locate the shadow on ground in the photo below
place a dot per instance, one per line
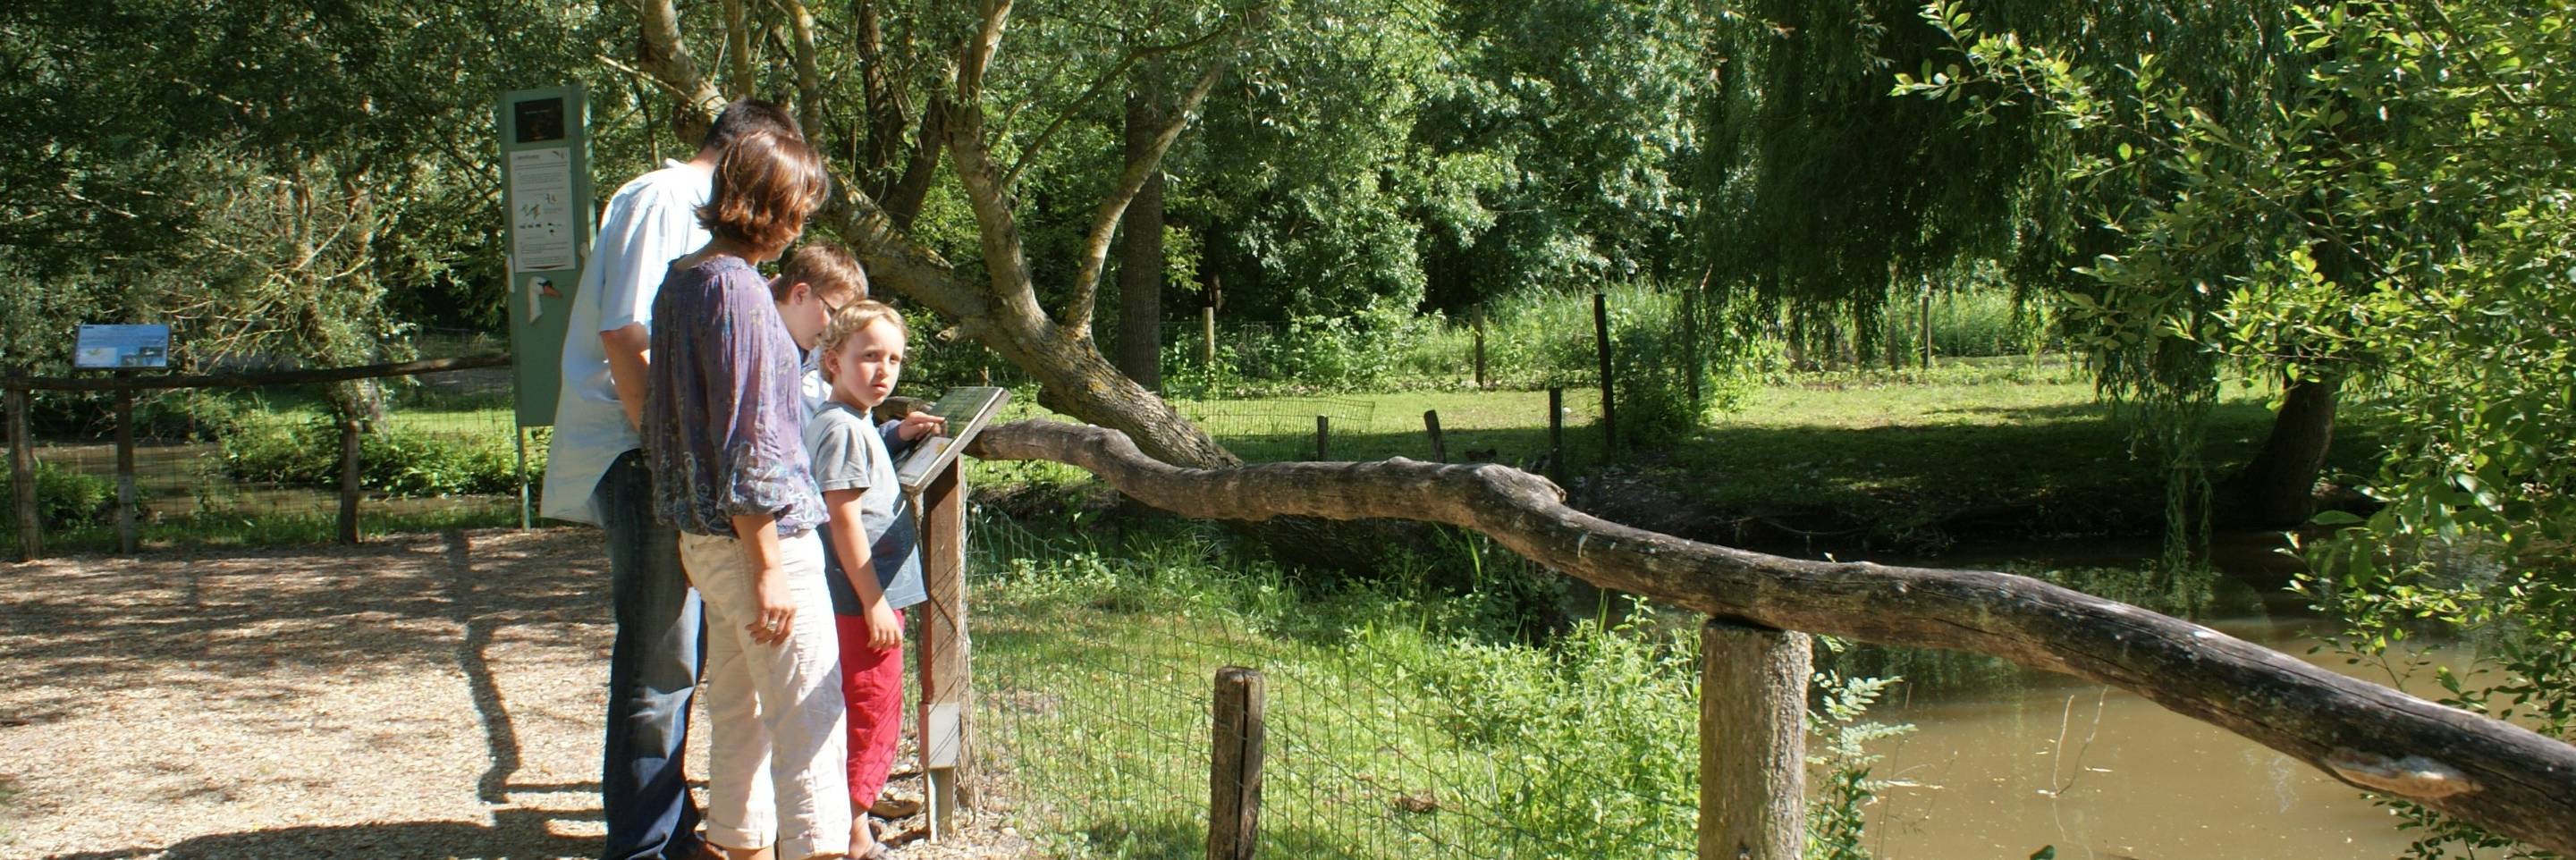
(521, 835)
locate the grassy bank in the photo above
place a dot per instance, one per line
(1402, 720)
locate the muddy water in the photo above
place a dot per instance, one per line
(2099, 773)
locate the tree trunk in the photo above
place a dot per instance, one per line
(1140, 242)
(2278, 488)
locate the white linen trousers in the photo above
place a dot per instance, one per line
(775, 769)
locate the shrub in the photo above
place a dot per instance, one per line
(65, 498)
(305, 451)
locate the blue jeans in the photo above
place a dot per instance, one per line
(652, 674)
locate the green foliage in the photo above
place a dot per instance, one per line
(65, 498)
(299, 449)
(1837, 716)
(1599, 694)
(1425, 686)
(2379, 220)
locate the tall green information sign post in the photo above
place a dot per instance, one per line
(546, 192)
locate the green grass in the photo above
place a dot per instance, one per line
(1392, 731)
(295, 527)
(1973, 449)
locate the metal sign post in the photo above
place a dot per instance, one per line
(546, 190)
(547, 197)
(121, 349)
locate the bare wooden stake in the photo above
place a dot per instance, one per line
(1234, 772)
(126, 539)
(22, 478)
(1207, 337)
(349, 479)
(1431, 425)
(1323, 438)
(1556, 435)
(1601, 338)
(1752, 742)
(1480, 347)
(1925, 320)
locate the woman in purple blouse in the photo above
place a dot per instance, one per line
(723, 428)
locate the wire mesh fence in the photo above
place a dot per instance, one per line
(1093, 720)
(1280, 416)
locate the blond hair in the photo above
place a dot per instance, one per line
(853, 318)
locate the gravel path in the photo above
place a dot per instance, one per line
(422, 696)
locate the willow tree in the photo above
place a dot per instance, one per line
(2414, 200)
(1828, 191)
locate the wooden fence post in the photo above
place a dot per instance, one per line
(349, 479)
(1234, 772)
(1207, 337)
(944, 659)
(1323, 438)
(1480, 347)
(1690, 342)
(1601, 337)
(1752, 742)
(527, 505)
(1926, 322)
(126, 539)
(22, 478)
(1556, 435)
(1431, 424)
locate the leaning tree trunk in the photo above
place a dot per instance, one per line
(2278, 488)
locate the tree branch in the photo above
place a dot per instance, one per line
(737, 51)
(979, 54)
(1098, 86)
(1104, 223)
(2499, 775)
(665, 56)
(1005, 264)
(809, 78)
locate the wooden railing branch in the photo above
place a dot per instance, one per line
(2507, 778)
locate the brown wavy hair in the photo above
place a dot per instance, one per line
(766, 185)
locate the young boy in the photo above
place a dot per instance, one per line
(818, 279)
(826, 272)
(871, 539)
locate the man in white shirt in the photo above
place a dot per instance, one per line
(595, 473)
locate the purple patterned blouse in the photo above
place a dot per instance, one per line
(724, 421)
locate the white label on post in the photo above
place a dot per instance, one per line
(941, 737)
(541, 228)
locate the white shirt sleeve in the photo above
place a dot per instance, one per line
(636, 245)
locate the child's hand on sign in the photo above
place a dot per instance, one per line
(920, 425)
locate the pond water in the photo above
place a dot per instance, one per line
(2099, 773)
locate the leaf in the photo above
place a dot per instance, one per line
(2045, 852)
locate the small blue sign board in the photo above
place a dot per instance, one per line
(121, 347)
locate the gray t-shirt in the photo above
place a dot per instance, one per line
(848, 454)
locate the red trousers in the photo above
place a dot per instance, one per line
(872, 685)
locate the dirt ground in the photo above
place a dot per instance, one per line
(421, 696)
